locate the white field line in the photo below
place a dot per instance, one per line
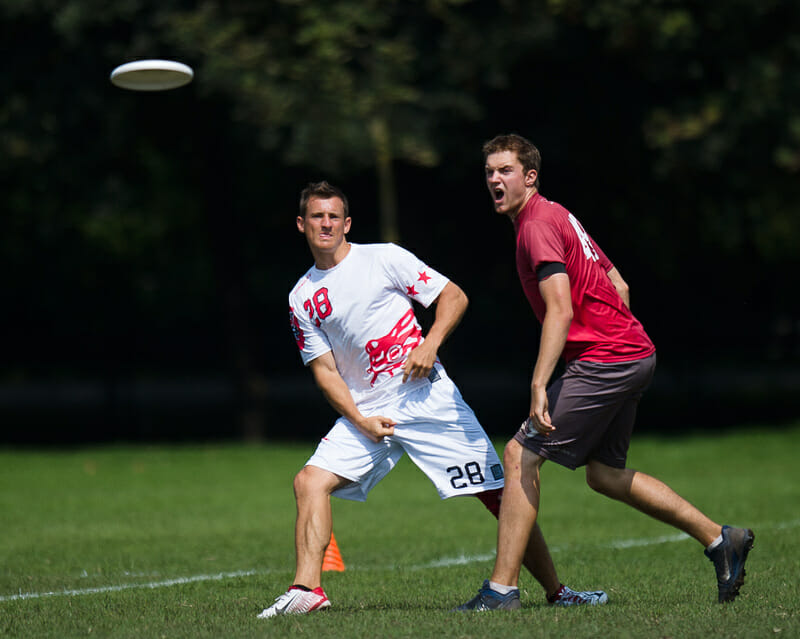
(635, 543)
(153, 584)
(446, 562)
(621, 544)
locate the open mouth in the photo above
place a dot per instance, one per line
(498, 194)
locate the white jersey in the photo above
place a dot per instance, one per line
(361, 310)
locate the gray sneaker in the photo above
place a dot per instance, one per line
(728, 559)
(488, 599)
(566, 596)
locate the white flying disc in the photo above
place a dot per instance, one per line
(152, 75)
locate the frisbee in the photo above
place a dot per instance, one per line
(152, 75)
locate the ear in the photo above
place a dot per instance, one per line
(301, 224)
(530, 178)
(346, 225)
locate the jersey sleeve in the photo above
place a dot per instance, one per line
(311, 340)
(411, 276)
(543, 243)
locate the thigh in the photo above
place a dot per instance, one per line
(612, 449)
(346, 452)
(579, 417)
(592, 407)
(443, 437)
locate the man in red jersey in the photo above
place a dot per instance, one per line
(585, 418)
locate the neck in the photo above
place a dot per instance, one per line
(324, 260)
(531, 192)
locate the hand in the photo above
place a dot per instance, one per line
(539, 419)
(420, 362)
(376, 427)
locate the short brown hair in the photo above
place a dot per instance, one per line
(527, 154)
(324, 191)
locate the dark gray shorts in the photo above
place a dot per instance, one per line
(593, 408)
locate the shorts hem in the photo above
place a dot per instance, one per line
(316, 464)
(529, 444)
(351, 492)
(476, 490)
(613, 464)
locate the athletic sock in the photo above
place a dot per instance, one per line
(503, 590)
(714, 543)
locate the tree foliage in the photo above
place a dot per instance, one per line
(723, 79)
(144, 231)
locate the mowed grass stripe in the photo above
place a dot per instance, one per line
(445, 562)
(91, 519)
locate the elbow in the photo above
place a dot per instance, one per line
(457, 296)
(564, 313)
(318, 381)
(464, 300)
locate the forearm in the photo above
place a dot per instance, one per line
(555, 328)
(336, 391)
(450, 308)
(556, 294)
(621, 285)
(337, 394)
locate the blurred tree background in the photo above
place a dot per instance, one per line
(147, 240)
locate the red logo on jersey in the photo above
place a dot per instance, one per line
(299, 336)
(388, 353)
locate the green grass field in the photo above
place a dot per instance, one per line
(193, 541)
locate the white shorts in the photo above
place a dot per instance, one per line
(435, 427)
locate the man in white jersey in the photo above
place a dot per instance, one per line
(353, 320)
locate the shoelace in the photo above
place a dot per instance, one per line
(571, 596)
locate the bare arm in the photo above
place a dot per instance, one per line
(450, 307)
(555, 291)
(335, 390)
(621, 286)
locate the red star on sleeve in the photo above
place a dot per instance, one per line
(411, 291)
(424, 277)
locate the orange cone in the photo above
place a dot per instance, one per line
(333, 558)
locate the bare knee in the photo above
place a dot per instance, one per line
(303, 483)
(519, 461)
(313, 482)
(309, 481)
(511, 452)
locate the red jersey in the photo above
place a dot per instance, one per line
(603, 329)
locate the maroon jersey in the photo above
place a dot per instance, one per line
(603, 329)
